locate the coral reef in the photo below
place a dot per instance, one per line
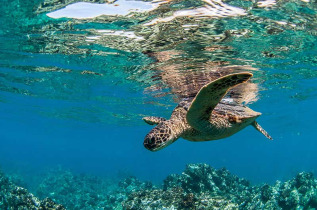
(74, 191)
(87, 191)
(297, 193)
(15, 197)
(199, 187)
(203, 187)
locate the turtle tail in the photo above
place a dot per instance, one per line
(260, 129)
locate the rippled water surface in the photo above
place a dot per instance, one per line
(76, 78)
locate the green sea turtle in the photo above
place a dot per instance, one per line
(207, 116)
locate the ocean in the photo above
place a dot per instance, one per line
(76, 79)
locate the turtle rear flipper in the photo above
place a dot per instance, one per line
(260, 129)
(209, 96)
(153, 120)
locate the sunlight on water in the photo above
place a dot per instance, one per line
(198, 37)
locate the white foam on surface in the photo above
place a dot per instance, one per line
(82, 10)
(266, 3)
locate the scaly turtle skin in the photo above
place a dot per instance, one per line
(207, 116)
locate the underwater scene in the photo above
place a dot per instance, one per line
(158, 104)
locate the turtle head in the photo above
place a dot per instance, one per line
(161, 136)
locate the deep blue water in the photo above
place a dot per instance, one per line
(92, 124)
(31, 143)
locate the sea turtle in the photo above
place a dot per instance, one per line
(207, 116)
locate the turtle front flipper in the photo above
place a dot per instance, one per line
(153, 120)
(209, 96)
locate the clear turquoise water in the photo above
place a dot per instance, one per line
(92, 124)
